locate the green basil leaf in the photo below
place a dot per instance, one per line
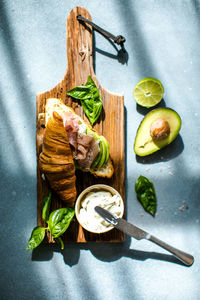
(145, 191)
(90, 81)
(97, 102)
(36, 238)
(46, 202)
(90, 99)
(79, 92)
(59, 221)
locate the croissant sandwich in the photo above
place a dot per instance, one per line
(90, 151)
(56, 160)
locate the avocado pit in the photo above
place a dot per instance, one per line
(159, 129)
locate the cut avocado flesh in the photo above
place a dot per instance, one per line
(104, 152)
(107, 149)
(98, 157)
(144, 143)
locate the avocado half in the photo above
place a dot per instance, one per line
(144, 143)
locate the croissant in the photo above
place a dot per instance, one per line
(56, 160)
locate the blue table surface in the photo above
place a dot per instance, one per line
(162, 41)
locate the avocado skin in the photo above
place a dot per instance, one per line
(144, 145)
(108, 151)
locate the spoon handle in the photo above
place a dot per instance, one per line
(186, 258)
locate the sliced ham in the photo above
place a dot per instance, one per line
(71, 125)
(95, 149)
(72, 136)
(81, 152)
(70, 122)
(84, 139)
(84, 147)
(91, 155)
(70, 119)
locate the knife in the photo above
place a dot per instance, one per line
(140, 234)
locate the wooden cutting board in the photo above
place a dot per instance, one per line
(111, 125)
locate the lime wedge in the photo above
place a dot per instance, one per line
(148, 92)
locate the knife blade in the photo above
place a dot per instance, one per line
(121, 224)
(139, 234)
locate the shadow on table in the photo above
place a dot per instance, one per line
(121, 56)
(106, 252)
(144, 110)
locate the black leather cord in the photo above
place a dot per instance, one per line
(119, 39)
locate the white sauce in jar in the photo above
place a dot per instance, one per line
(89, 218)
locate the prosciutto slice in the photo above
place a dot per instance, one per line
(81, 152)
(71, 125)
(85, 139)
(93, 150)
(84, 147)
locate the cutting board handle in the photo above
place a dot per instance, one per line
(79, 47)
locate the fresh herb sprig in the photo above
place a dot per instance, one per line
(90, 99)
(145, 191)
(58, 222)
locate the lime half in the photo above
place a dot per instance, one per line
(148, 92)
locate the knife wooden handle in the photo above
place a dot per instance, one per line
(186, 258)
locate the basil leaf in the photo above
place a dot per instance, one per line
(46, 202)
(90, 81)
(59, 221)
(145, 191)
(36, 238)
(79, 92)
(90, 99)
(97, 102)
(60, 242)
